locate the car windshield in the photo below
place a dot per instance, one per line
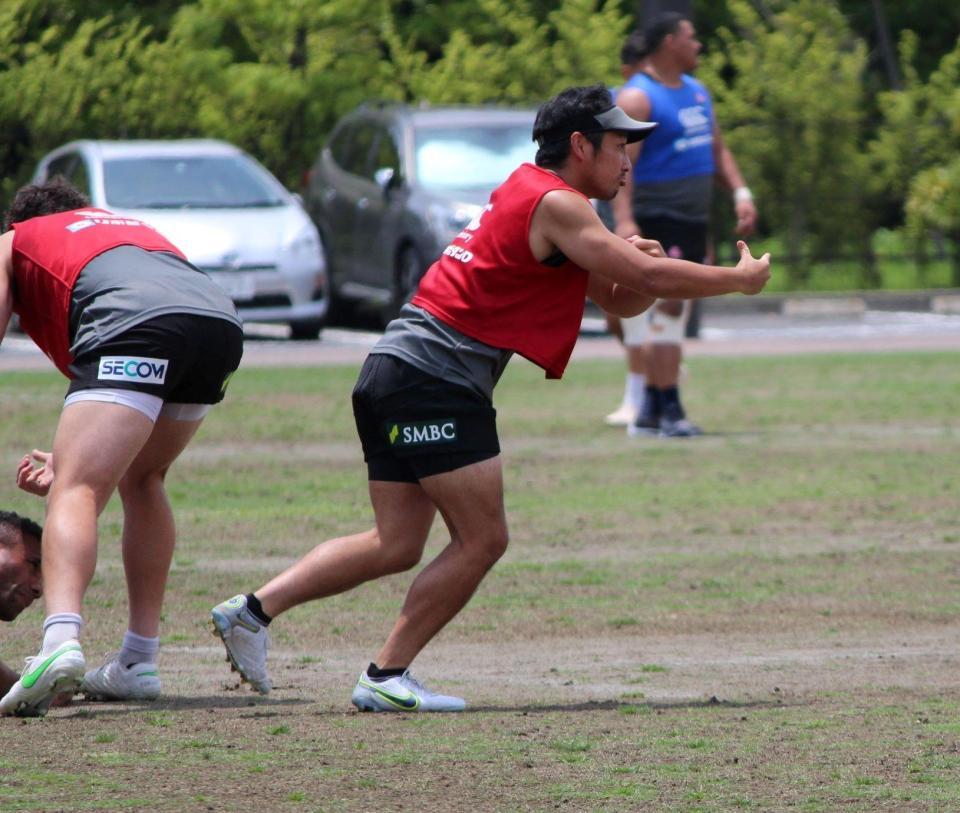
(187, 182)
(480, 157)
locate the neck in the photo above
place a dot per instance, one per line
(570, 176)
(664, 71)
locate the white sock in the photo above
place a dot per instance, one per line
(58, 629)
(137, 649)
(636, 387)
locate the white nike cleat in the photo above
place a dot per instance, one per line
(246, 640)
(624, 415)
(114, 681)
(403, 693)
(43, 678)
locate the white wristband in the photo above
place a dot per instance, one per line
(741, 194)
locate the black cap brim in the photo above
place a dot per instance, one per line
(616, 119)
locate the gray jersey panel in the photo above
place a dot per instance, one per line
(431, 345)
(681, 199)
(126, 286)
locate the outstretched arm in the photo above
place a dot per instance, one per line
(566, 221)
(618, 300)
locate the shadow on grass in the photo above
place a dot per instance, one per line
(614, 705)
(82, 708)
(269, 707)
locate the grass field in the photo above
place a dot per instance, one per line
(766, 618)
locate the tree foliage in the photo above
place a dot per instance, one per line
(788, 93)
(915, 151)
(791, 80)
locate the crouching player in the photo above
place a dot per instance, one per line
(148, 343)
(513, 281)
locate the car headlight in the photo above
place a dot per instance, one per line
(305, 243)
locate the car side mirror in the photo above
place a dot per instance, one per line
(386, 178)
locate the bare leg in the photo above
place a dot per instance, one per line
(471, 501)
(94, 444)
(636, 359)
(149, 532)
(664, 367)
(403, 514)
(613, 325)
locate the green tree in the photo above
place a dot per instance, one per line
(789, 97)
(914, 152)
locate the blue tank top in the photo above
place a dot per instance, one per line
(682, 145)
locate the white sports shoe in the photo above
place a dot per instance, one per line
(246, 640)
(625, 415)
(43, 678)
(114, 681)
(403, 693)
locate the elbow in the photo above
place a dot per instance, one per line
(658, 284)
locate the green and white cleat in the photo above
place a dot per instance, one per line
(402, 693)
(43, 678)
(246, 640)
(114, 681)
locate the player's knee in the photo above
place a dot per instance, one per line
(402, 558)
(398, 555)
(136, 483)
(495, 545)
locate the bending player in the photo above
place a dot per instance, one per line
(148, 343)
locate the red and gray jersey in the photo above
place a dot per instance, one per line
(49, 254)
(488, 285)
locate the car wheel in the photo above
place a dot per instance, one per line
(406, 277)
(305, 331)
(340, 310)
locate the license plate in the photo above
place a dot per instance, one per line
(237, 284)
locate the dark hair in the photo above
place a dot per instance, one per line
(56, 195)
(27, 527)
(556, 121)
(634, 48)
(660, 27)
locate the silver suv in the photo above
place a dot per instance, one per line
(222, 209)
(393, 185)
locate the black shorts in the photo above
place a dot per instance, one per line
(179, 357)
(680, 239)
(413, 425)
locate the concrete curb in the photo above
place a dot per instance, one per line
(936, 300)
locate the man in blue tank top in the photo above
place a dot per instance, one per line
(668, 196)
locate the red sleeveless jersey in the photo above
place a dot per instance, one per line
(49, 253)
(488, 285)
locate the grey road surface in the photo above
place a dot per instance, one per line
(722, 334)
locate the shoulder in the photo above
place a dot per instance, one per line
(566, 206)
(634, 101)
(641, 81)
(696, 85)
(6, 243)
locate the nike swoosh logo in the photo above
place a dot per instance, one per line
(29, 679)
(408, 702)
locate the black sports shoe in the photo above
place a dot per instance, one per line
(674, 423)
(681, 428)
(648, 418)
(645, 424)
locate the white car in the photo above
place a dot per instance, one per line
(222, 209)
